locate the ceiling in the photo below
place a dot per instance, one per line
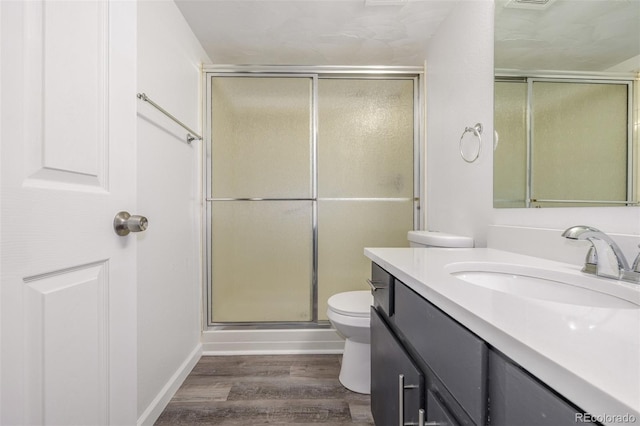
(579, 35)
(576, 35)
(315, 32)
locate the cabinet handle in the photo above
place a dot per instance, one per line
(401, 389)
(375, 285)
(421, 421)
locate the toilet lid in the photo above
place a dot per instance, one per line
(351, 303)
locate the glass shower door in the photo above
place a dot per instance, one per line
(510, 155)
(576, 123)
(366, 188)
(262, 199)
(305, 171)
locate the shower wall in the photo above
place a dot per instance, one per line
(305, 172)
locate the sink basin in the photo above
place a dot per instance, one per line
(554, 286)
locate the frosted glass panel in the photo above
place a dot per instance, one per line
(345, 228)
(261, 137)
(365, 138)
(578, 124)
(510, 156)
(261, 261)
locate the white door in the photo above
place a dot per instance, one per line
(68, 289)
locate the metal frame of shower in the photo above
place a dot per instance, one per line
(627, 79)
(315, 73)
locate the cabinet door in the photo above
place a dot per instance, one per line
(518, 399)
(396, 383)
(456, 356)
(437, 413)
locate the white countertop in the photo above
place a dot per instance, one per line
(590, 355)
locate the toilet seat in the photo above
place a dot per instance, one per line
(339, 320)
(352, 303)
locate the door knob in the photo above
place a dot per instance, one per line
(124, 223)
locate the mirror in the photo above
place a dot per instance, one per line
(566, 103)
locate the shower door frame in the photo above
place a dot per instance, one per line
(314, 73)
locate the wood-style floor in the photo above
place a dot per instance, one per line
(283, 390)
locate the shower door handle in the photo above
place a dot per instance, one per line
(124, 223)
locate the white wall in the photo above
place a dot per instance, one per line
(460, 94)
(169, 254)
(622, 220)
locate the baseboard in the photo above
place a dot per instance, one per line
(265, 342)
(159, 403)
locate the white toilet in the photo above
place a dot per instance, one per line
(349, 313)
(438, 239)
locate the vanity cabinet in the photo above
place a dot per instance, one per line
(397, 384)
(519, 399)
(425, 364)
(455, 357)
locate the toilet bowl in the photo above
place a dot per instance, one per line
(349, 313)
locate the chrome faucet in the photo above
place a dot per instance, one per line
(604, 258)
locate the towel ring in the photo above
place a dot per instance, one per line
(477, 131)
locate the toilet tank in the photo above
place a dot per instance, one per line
(437, 239)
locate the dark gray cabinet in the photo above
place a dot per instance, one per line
(396, 382)
(519, 399)
(382, 285)
(423, 361)
(437, 414)
(457, 357)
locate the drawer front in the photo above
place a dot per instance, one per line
(456, 356)
(518, 399)
(388, 361)
(437, 414)
(382, 289)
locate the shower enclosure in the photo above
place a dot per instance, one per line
(563, 142)
(304, 170)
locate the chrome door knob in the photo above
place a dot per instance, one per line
(124, 223)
